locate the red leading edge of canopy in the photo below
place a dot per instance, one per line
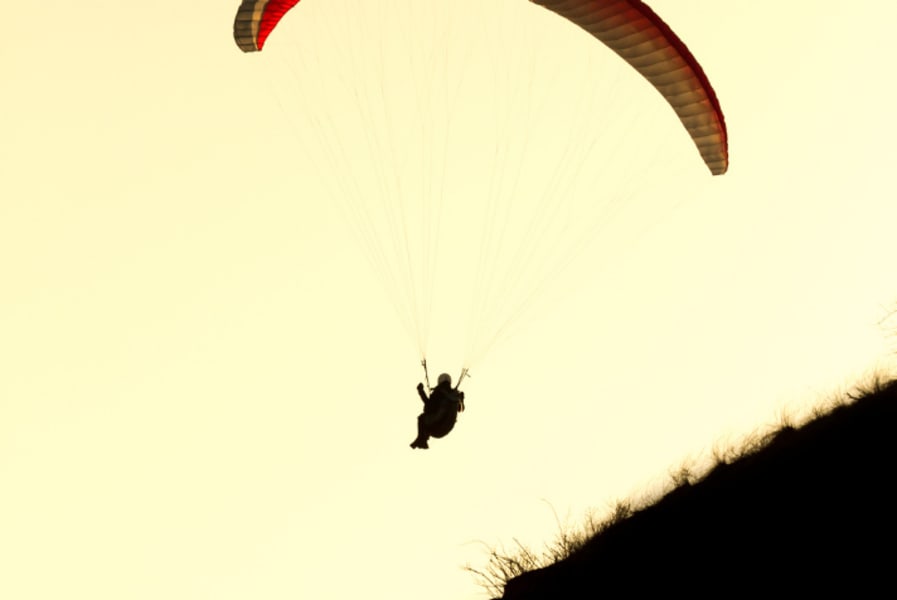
(274, 10)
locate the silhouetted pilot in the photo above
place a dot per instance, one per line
(440, 411)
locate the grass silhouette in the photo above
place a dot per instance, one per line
(503, 565)
(801, 510)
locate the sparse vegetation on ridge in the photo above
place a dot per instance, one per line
(811, 489)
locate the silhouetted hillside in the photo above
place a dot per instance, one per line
(806, 512)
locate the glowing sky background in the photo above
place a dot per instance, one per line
(205, 391)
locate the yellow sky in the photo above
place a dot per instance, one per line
(204, 391)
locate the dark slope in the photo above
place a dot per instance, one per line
(809, 512)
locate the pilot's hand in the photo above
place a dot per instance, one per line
(420, 387)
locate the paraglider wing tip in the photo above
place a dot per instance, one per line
(247, 49)
(244, 35)
(718, 167)
(256, 19)
(640, 37)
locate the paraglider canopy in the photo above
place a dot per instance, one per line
(628, 27)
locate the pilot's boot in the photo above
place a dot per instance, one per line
(422, 435)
